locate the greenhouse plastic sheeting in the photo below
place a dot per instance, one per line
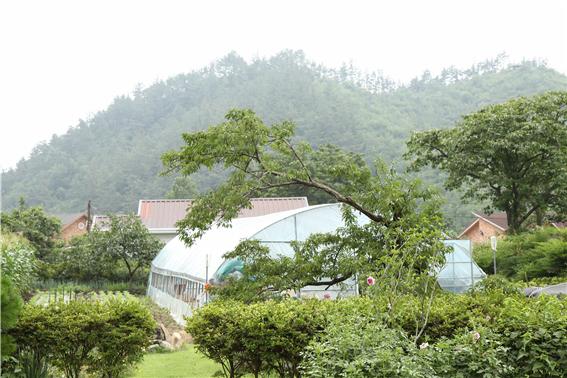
(460, 272)
(275, 230)
(178, 273)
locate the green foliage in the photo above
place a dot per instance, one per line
(359, 347)
(129, 327)
(530, 255)
(104, 337)
(493, 331)
(18, 261)
(122, 250)
(257, 338)
(477, 353)
(402, 216)
(10, 310)
(215, 330)
(513, 155)
(84, 260)
(34, 225)
(535, 331)
(113, 157)
(127, 240)
(527, 334)
(31, 364)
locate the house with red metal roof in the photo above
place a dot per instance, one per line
(161, 215)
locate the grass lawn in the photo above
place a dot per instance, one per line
(186, 363)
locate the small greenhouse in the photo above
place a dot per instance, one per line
(178, 273)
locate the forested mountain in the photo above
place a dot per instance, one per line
(114, 157)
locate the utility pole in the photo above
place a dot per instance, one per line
(89, 216)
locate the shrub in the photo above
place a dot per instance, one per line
(359, 347)
(529, 255)
(128, 328)
(449, 313)
(18, 261)
(215, 329)
(535, 331)
(11, 306)
(255, 338)
(478, 353)
(357, 337)
(103, 336)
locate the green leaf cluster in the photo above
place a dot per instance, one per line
(359, 347)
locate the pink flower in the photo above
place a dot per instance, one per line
(475, 336)
(423, 345)
(327, 296)
(370, 281)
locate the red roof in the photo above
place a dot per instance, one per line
(165, 213)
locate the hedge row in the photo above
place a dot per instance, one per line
(492, 333)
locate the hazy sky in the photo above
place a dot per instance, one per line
(65, 60)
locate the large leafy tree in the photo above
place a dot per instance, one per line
(401, 239)
(127, 240)
(34, 225)
(513, 155)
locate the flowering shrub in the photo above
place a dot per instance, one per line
(478, 353)
(362, 347)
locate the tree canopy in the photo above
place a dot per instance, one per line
(513, 154)
(126, 240)
(402, 237)
(34, 225)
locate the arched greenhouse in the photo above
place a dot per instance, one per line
(178, 273)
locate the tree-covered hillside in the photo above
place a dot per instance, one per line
(114, 157)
